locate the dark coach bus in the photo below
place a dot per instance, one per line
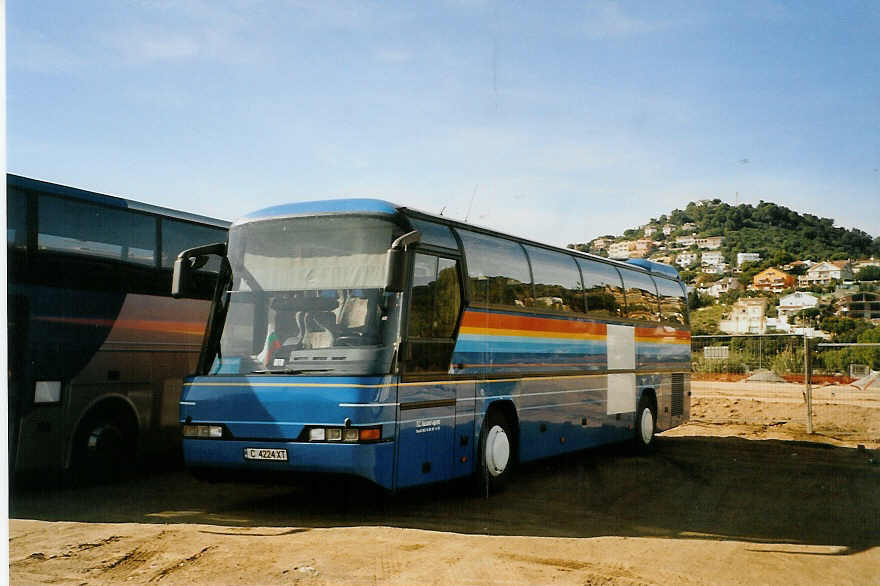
(97, 346)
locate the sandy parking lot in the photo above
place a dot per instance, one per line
(737, 496)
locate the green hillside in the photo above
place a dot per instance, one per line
(778, 233)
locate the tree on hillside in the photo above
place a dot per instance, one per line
(868, 274)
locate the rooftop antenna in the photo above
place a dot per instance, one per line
(443, 209)
(473, 195)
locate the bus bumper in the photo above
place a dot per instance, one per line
(375, 461)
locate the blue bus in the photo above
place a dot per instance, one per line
(364, 338)
(97, 347)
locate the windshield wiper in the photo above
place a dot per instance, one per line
(290, 371)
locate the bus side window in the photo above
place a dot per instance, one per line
(88, 229)
(178, 236)
(673, 303)
(16, 218)
(498, 270)
(604, 289)
(433, 314)
(558, 284)
(641, 296)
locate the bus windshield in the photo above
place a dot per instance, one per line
(307, 295)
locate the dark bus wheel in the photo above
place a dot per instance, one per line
(104, 449)
(497, 454)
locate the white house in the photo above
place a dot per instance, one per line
(823, 273)
(650, 231)
(742, 257)
(790, 305)
(712, 257)
(710, 242)
(686, 259)
(685, 241)
(724, 285)
(748, 317)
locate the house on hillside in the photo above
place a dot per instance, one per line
(621, 250)
(823, 273)
(868, 262)
(789, 306)
(723, 285)
(712, 257)
(711, 242)
(749, 316)
(685, 241)
(650, 230)
(600, 244)
(742, 257)
(641, 248)
(668, 229)
(686, 259)
(798, 264)
(772, 279)
(862, 305)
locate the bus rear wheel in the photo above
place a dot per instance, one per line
(646, 424)
(497, 453)
(104, 448)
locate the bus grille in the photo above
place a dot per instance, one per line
(677, 394)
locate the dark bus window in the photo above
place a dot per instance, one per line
(178, 236)
(498, 271)
(557, 281)
(673, 303)
(433, 315)
(641, 296)
(84, 228)
(435, 234)
(16, 218)
(603, 288)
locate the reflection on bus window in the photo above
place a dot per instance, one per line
(673, 303)
(497, 270)
(83, 228)
(16, 218)
(178, 236)
(604, 289)
(557, 281)
(641, 296)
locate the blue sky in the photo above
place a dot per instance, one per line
(562, 121)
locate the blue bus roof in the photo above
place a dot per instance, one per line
(330, 206)
(379, 206)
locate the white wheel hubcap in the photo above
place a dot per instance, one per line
(497, 450)
(647, 425)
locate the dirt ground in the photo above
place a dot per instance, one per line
(741, 495)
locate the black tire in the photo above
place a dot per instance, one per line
(498, 454)
(104, 448)
(646, 425)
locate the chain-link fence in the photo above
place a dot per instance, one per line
(762, 384)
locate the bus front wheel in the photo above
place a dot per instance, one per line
(497, 453)
(104, 447)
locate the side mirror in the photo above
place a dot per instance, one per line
(395, 261)
(189, 261)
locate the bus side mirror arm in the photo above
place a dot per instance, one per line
(188, 261)
(395, 261)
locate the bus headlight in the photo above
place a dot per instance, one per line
(206, 431)
(347, 434)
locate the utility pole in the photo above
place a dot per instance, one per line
(808, 395)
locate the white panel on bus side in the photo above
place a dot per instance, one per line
(621, 396)
(621, 347)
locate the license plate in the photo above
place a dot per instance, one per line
(265, 454)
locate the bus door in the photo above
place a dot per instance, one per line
(428, 417)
